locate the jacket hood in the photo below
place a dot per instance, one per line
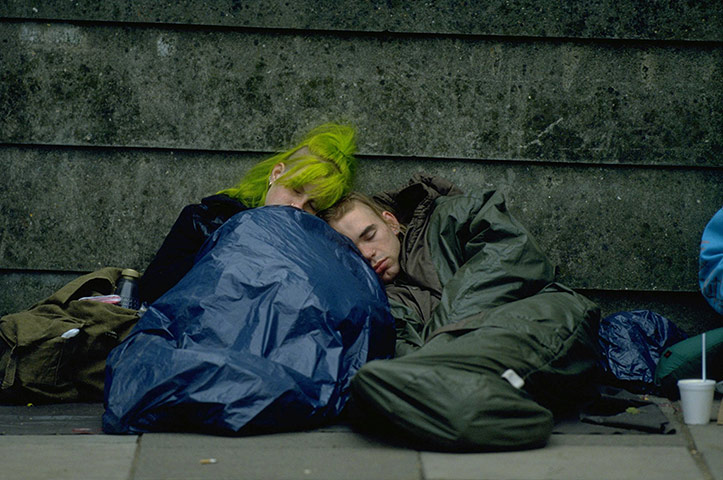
(413, 203)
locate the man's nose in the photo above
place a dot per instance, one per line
(367, 252)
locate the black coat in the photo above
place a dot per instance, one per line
(177, 253)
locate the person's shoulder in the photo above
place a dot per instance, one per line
(710, 272)
(223, 201)
(219, 205)
(214, 209)
(711, 242)
(472, 198)
(435, 185)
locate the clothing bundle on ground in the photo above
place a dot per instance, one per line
(631, 344)
(55, 351)
(263, 334)
(488, 346)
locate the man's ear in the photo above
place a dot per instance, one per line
(276, 171)
(391, 220)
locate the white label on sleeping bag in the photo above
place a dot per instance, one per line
(514, 379)
(70, 333)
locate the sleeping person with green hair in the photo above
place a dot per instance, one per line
(311, 176)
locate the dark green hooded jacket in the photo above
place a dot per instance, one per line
(475, 299)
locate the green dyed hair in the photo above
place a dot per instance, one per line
(327, 164)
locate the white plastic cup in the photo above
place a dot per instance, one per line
(696, 398)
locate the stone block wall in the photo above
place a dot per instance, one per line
(601, 120)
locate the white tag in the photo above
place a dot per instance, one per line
(514, 379)
(70, 333)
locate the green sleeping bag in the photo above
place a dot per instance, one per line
(683, 360)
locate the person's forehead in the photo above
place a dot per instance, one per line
(358, 218)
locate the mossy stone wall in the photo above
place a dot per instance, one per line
(601, 120)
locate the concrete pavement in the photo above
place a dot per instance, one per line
(29, 450)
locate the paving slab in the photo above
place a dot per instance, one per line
(560, 461)
(622, 440)
(710, 444)
(66, 457)
(313, 455)
(693, 452)
(333, 452)
(707, 444)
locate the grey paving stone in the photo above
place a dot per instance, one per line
(312, 455)
(562, 462)
(61, 457)
(708, 441)
(618, 440)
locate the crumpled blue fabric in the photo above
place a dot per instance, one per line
(263, 334)
(632, 342)
(710, 262)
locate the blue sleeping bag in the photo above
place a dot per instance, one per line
(263, 334)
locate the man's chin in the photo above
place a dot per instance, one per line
(387, 276)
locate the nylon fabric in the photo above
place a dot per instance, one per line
(263, 333)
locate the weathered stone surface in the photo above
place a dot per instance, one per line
(554, 101)
(20, 290)
(85, 209)
(637, 19)
(687, 310)
(609, 150)
(606, 227)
